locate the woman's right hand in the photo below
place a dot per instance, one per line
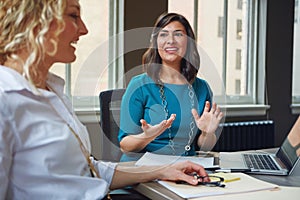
(155, 130)
(135, 143)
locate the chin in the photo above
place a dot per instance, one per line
(71, 59)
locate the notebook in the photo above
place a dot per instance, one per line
(284, 162)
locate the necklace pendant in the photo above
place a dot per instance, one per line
(187, 147)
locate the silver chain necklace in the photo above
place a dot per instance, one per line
(192, 124)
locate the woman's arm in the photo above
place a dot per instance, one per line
(208, 123)
(207, 141)
(294, 136)
(135, 143)
(125, 176)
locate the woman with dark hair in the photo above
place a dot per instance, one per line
(191, 60)
(168, 110)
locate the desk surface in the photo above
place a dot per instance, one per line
(290, 186)
(154, 190)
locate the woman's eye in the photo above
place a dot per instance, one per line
(178, 34)
(75, 16)
(163, 35)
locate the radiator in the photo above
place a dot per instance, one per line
(238, 136)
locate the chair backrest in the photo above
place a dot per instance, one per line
(110, 101)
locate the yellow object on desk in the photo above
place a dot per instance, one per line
(228, 177)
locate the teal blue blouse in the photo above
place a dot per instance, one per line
(142, 101)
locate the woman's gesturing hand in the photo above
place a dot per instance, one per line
(156, 130)
(209, 121)
(135, 143)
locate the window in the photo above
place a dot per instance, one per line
(89, 74)
(234, 52)
(220, 26)
(240, 4)
(238, 58)
(216, 24)
(296, 61)
(239, 30)
(96, 40)
(237, 86)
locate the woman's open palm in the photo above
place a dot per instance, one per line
(156, 130)
(210, 119)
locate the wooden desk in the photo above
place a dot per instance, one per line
(154, 190)
(289, 187)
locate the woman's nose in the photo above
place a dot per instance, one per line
(170, 39)
(82, 28)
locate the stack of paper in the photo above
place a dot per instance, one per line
(158, 159)
(245, 183)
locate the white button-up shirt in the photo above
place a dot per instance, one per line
(40, 158)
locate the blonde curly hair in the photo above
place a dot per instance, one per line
(24, 24)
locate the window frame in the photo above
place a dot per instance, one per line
(254, 104)
(295, 106)
(87, 108)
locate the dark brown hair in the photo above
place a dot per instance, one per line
(189, 63)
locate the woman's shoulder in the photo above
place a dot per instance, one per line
(142, 76)
(200, 82)
(141, 79)
(140, 84)
(202, 85)
(12, 80)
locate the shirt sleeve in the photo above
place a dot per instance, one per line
(106, 169)
(6, 144)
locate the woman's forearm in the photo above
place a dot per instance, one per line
(130, 175)
(125, 176)
(207, 141)
(135, 143)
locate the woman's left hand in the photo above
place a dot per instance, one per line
(210, 119)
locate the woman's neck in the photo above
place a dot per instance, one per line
(171, 75)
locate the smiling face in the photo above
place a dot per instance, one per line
(172, 43)
(73, 29)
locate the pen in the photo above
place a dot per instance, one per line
(236, 170)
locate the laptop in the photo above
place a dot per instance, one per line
(284, 162)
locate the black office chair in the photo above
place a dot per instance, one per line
(110, 101)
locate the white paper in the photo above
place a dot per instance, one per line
(158, 159)
(245, 184)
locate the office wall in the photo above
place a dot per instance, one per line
(280, 21)
(139, 14)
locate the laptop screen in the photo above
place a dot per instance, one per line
(290, 149)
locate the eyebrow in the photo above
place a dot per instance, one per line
(75, 6)
(179, 30)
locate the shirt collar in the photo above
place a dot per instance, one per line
(56, 83)
(11, 80)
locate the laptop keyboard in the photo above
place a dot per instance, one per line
(260, 161)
